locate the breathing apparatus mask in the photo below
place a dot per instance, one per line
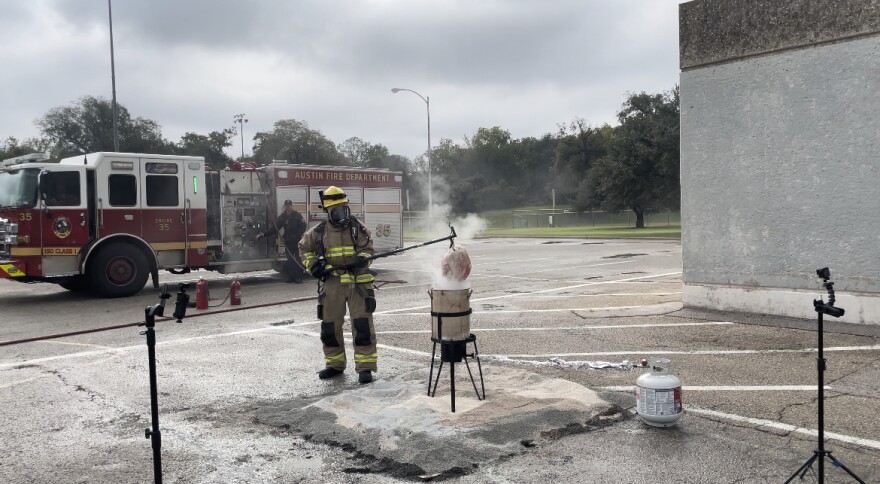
(335, 203)
(339, 215)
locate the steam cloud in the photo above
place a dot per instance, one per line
(466, 229)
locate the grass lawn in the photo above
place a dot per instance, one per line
(500, 223)
(610, 231)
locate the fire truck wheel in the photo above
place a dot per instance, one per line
(119, 270)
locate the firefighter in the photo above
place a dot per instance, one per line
(294, 225)
(337, 252)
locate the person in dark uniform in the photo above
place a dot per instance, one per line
(292, 225)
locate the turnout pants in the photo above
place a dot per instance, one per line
(335, 297)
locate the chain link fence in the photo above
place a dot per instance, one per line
(592, 218)
(421, 221)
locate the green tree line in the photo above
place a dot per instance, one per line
(631, 166)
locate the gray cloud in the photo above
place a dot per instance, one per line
(190, 65)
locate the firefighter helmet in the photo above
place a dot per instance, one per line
(332, 196)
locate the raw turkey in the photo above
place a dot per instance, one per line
(456, 264)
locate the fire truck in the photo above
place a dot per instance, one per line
(104, 222)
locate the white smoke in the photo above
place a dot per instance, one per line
(466, 229)
(439, 220)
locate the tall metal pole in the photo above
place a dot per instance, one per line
(239, 118)
(113, 78)
(430, 192)
(427, 100)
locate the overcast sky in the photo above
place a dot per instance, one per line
(190, 65)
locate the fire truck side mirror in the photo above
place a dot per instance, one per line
(41, 193)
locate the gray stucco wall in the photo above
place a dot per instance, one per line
(780, 164)
(722, 30)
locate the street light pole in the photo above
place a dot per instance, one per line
(113, 80)
(427, 100)
(239, 118)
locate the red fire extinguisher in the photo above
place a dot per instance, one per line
(201, 294)
(235, 293)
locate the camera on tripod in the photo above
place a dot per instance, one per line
(820, 305)
(180, 303)
(820, 454)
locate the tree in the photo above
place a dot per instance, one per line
(580, 145)
(354, 149)
(210, 147)
(363, 154)
(295, 142)
(535, 170)
(377, 156)
(87, 127)
(641, 169)
(11, 147)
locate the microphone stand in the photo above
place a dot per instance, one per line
(820, 453)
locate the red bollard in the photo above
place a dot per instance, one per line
(201, 294)
(235, 293)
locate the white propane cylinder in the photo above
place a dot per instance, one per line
(658, 395)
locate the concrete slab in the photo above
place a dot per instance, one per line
(407, 433)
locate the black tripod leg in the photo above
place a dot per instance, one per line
(837, 463)
(479, 367)
(431, 375)
(437, 381)
(452, 384)
(802, 469)
(472, 379)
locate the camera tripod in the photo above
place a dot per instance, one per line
(820, 453)
(150, 313)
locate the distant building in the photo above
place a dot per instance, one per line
(780, 154)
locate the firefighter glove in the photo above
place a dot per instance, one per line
(361, 262)
(318, 269)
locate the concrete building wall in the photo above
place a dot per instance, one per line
(780, 154)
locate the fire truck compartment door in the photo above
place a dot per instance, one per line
(163, 198)
(196, 211)
(118, 191)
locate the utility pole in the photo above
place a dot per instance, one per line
(240, 119)
(113, 79)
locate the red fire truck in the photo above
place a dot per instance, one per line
(103, 222)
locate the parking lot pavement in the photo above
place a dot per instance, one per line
(75, 407)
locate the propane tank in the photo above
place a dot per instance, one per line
(658, 395)
(235, 292)
(202, 294)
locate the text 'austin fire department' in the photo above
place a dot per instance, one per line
(104, 222)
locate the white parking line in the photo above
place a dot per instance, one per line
(734, 388)
(785, 427)
(544, 291)
(610, 294)
(84, 354)
(553, 310)
(557, 328)
(695, 352)
(349, 339)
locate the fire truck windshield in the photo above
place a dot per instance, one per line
(18, 188)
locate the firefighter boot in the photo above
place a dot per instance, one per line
(365, 377)
(329, 373)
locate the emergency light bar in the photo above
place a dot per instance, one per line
(29, 158)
